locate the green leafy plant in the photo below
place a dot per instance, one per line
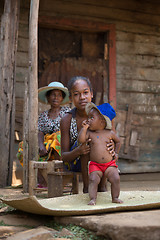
(9, 208)
(3, 224)
(78, 232)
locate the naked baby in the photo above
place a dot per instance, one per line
(97, 129)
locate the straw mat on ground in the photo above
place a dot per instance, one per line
(78, 204)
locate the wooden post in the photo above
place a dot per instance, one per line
(8, 48)
(32, 177)
(128, 128)
(25, 139)
(112, 66)
(75, 183)
(31, 138)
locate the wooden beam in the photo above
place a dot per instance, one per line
(112, 66)
(31, 137)
(73, 24)
(8, 48)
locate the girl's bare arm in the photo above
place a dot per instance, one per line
(68, 155)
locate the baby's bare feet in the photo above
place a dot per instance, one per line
(92, 202)
(117, 200)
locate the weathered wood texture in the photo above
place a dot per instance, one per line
(137, 65)
(137, 72)
(69, 67)
(8, 47)
(33, 81)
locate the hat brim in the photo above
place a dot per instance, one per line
(91, 105)
(43, 91)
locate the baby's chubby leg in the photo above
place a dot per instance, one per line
(113, 177)
(102, 186)
(94, 180)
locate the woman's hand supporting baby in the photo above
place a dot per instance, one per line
(84, 147)
(111, 147)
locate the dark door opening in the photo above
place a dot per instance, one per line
(64, 54)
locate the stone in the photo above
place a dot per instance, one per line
(139, 225)
(3, 210)
(42, 233)
(65, 232)
(6, 231)
(22, 219)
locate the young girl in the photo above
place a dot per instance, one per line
(76, 156)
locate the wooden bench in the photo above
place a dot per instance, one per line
(57, 178)
(57, 181)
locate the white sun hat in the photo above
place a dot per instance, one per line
(42, 92)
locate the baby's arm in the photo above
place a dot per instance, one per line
(83, 135)
(117, 142)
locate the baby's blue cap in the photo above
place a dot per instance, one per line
(106, 110)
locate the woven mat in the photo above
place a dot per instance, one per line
(78, 204)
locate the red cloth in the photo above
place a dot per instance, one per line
(94, 166)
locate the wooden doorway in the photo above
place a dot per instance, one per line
(65, 52)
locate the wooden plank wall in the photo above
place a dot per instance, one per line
(137, 71)
(22, 68)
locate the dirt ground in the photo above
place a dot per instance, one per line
(135, 224)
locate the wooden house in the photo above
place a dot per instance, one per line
(114, 43)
